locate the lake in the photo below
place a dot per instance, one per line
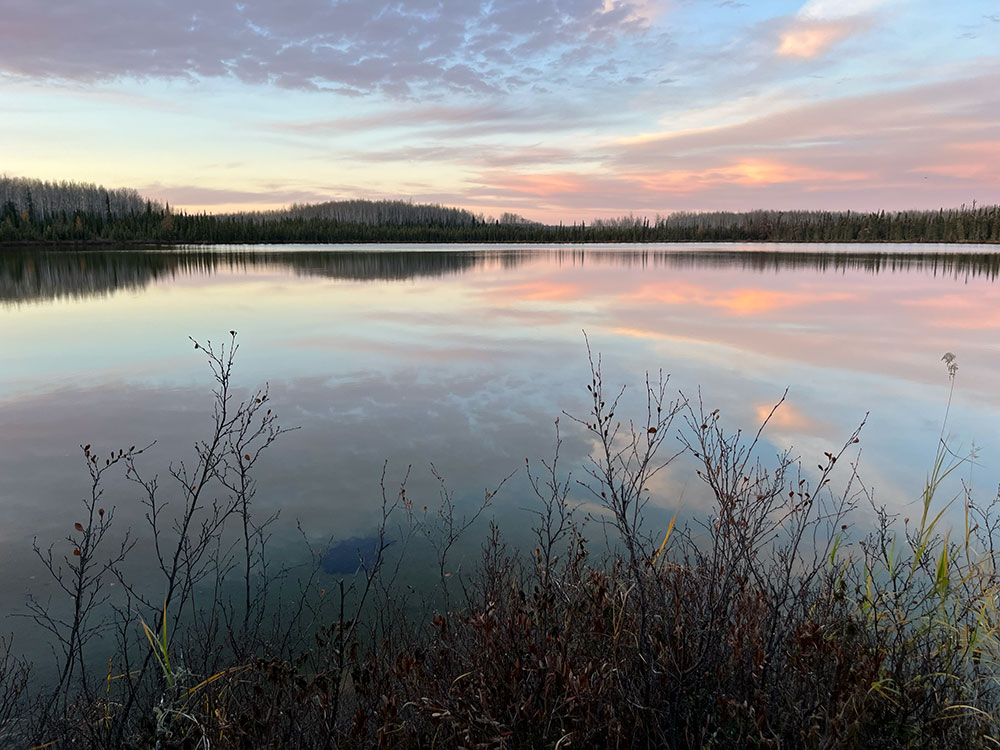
(464, 357)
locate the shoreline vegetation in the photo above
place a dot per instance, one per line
(37, 212)
(779, 617)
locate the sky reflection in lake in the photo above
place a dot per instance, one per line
(465, 357)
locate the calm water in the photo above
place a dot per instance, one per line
(464, 357)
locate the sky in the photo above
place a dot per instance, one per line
(559, 110)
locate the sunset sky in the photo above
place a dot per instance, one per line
(555, 109)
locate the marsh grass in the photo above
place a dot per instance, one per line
(770, 622)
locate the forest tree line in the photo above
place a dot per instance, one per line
(36, 211)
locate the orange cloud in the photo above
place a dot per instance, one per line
(646, 334)
(760, 300)
(745, 301)
(744, 172)
(637, 333)
(787, 416)
(544, 184)
(805, 41)
(750, 301)
(755, 172)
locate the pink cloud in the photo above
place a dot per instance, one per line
(805, 40)
(931, 113)
(822, 24)
(977, 160)
(539, 291)
(542, 184)
(744, 172)
(738, 182)
(958, 311)
(978, 322)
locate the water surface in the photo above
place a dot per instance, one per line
(464, 357)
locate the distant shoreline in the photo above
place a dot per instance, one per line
(136, 244)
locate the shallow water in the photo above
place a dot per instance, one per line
(464, 357)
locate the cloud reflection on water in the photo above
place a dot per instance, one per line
(465, 358)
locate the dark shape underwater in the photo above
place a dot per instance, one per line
(351, 555)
